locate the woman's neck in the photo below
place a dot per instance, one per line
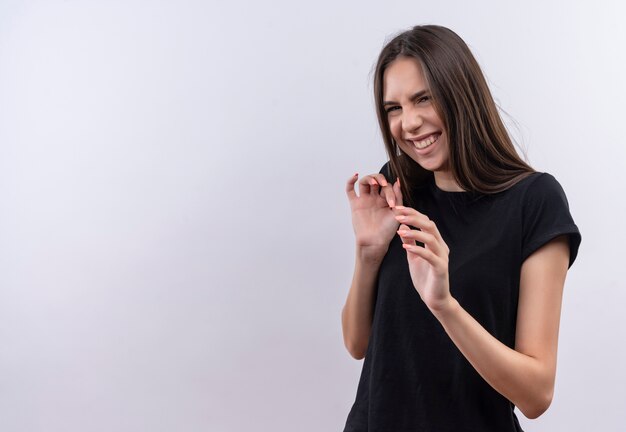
(445, 181)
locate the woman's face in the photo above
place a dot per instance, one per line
(414, 123)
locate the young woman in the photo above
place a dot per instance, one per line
(461, 254)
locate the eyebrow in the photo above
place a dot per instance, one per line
(413, 97)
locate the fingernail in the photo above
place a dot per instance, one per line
(392, 203)
(399, 207)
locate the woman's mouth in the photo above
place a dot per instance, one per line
(426, 142)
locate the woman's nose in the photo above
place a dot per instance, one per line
(411, 120)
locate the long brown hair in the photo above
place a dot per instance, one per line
(482, 156)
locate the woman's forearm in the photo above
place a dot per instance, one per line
(356, 316)
(522, 379)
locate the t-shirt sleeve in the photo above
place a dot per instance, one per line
(546, 216)
(385, 170)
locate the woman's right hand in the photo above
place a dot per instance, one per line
(373, 219)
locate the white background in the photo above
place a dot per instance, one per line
(175, 239)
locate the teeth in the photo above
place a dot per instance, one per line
(425, 143)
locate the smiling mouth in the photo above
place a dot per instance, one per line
(426, 142)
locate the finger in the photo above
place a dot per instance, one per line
(381, 179)
(405, 238)
(375, 180)
(350, 186)
(428, 255)
(374, 187)
(367, 184)
(419, 220)
(430, 241)
(397, 190)
(386, 189)
(389, 195)
(412, 217)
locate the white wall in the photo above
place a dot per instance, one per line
(175, 240)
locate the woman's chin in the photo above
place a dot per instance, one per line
(430, 165)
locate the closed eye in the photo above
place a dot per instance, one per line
(396, 107)
(392, 108)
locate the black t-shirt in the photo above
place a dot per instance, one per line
(414, 378)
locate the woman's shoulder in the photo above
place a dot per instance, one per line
(540, 186)
(546, 214)
(541, 178)
(536, 185)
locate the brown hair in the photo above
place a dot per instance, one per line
(482, 156)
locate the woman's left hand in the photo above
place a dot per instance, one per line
(428, 265)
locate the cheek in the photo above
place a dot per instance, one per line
(394, 127)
